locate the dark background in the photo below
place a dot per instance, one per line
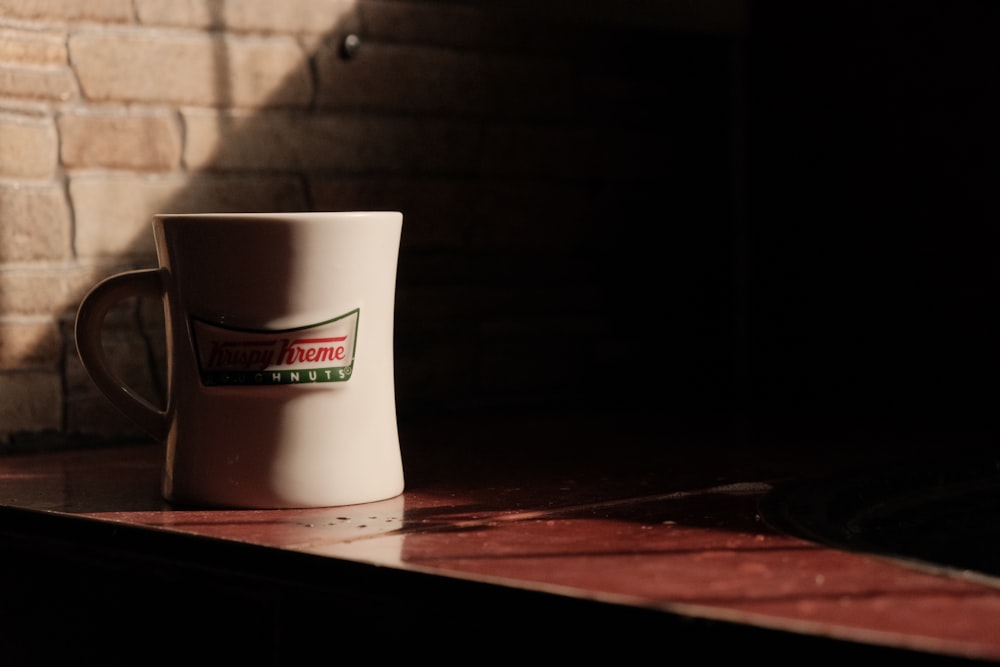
(872, 165)
(803, 235)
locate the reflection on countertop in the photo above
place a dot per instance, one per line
(680, 532)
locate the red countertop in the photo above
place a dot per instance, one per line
(614, 518)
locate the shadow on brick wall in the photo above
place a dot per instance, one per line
(788, 225)
(568, 196)
(872, 212)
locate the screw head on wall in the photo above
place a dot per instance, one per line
(350, 46)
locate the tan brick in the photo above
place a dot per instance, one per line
(129, 357)
(190, 68)
(404, 78)
(32, 401)
(114, 211)
(528, 215)
(136, 141)
(541, 25)
(29, 343)
(436, 212)
(44, 48)
(103, 11)
(349, 142)
(34, 223)
(267, 16)
(468, 26)
(137, 363)
(456, 213)
(125, 324)
(138, 317)
(52, 84)
(46, 290)
(91, 414)
(30, 147)
(558, 151)
(425, 24)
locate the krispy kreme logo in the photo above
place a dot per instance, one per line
(317, 353)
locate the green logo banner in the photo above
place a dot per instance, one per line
(322, 352)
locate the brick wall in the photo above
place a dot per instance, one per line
(549, 159)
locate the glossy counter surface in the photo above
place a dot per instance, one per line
(634, 531)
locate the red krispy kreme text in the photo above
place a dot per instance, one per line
(312, 350)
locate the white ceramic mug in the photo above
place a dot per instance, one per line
(279, 332)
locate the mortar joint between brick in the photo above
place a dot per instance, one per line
(27, 318)
(135, 14)
(182, 133)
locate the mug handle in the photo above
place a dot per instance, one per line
(88, 333)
